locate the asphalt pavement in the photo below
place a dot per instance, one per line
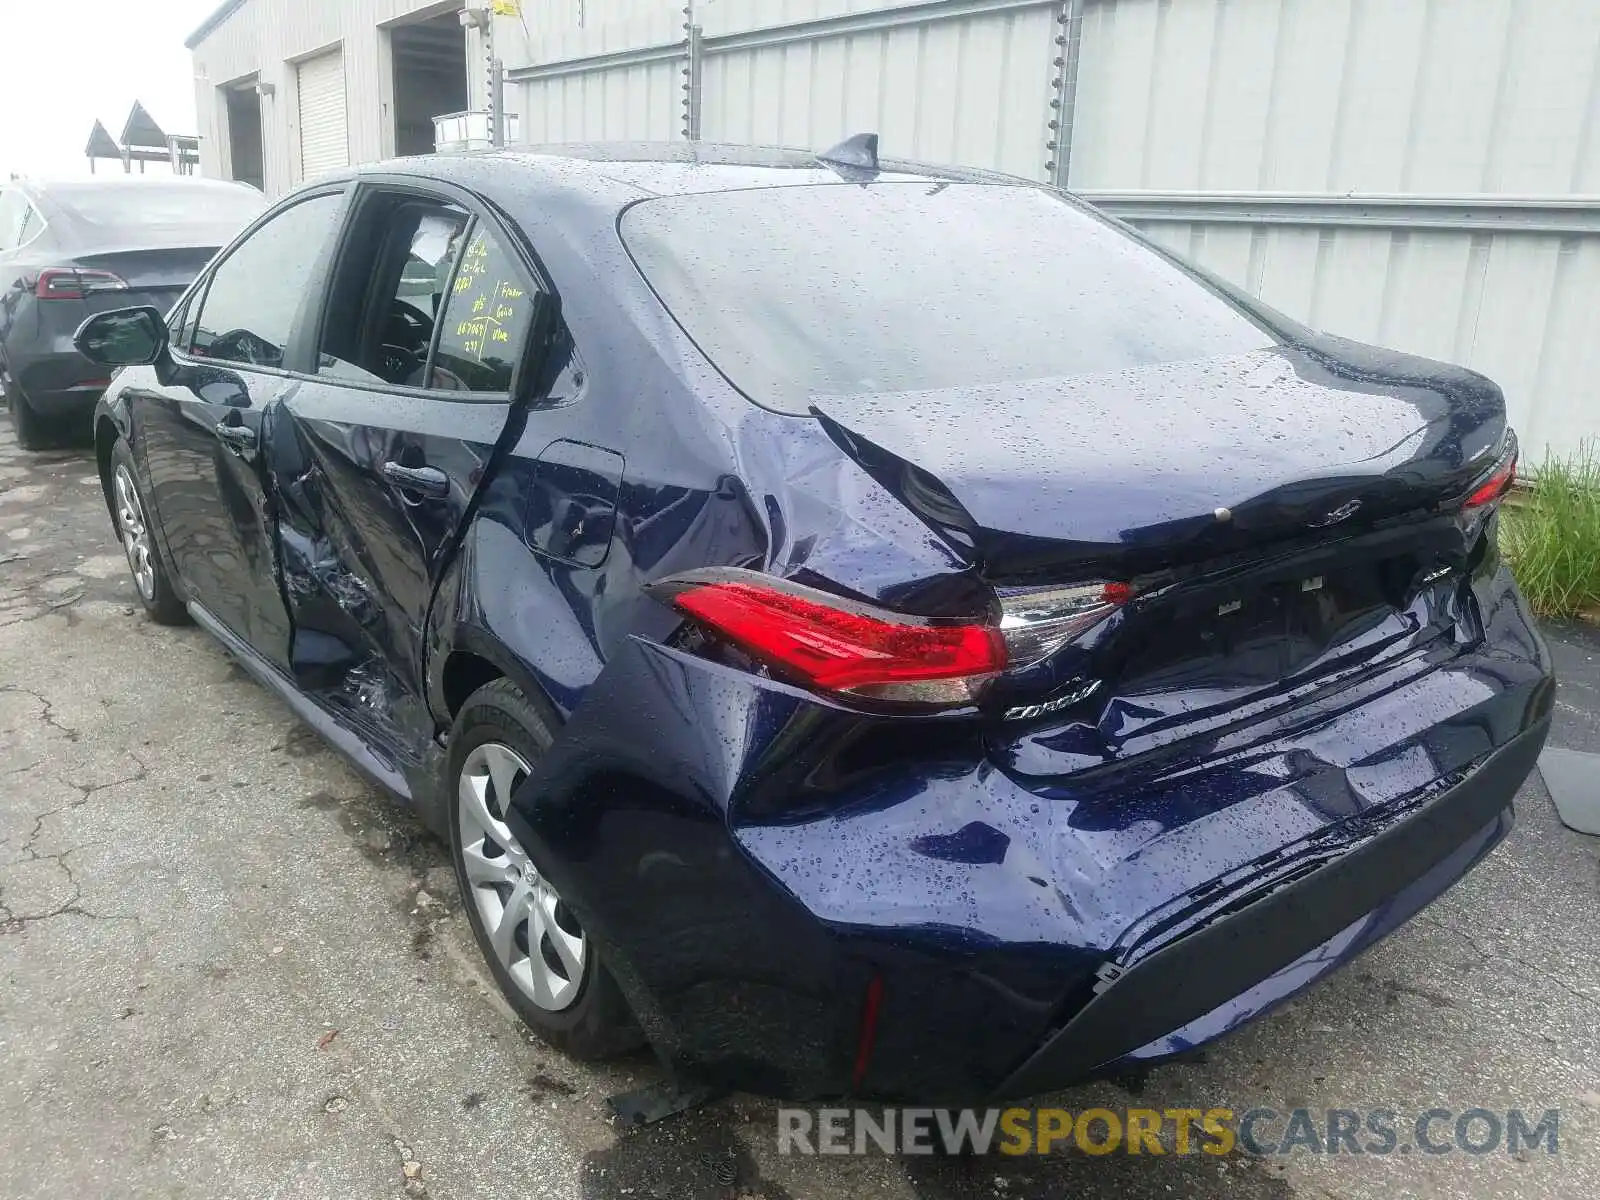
(230, 968)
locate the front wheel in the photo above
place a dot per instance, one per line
(546, 966)
(150, 576)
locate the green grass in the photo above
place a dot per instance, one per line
(1552, 537)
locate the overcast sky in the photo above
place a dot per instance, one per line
(65, 63)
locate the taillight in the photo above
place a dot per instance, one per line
(1496, 485)
(74, 283)
(1036, 622)
(832, 644)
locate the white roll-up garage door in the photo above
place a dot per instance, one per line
(323, 143)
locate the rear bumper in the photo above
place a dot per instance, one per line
(41, 360)
(754, 864)
(54, 378)
(1202, 971)
(72, 401)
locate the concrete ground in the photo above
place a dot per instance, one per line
(228, 968)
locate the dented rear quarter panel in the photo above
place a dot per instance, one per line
(706, 478)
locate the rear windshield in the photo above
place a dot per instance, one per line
(797, 292)
(134, 207)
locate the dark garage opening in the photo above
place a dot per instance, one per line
(244, 134)
(430, 78)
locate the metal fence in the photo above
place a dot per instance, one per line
(1420, 173)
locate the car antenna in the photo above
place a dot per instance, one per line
(856, 154)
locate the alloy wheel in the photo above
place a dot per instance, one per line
(135, 534)
(534, 935)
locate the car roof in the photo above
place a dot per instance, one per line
(635, 170)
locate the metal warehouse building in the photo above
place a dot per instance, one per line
(1420, 173)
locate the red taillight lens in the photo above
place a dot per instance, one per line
(833, 644)
(1494, 487)
(74, 283)
(867, 1036)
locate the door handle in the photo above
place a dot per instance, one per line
(241, 439)
(427, 481)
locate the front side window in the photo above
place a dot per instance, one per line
(250, 305)
(486, 319)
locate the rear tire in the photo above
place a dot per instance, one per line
(34, 431)
(151, 579)
(546, 967)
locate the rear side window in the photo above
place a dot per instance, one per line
(486, 319)
(250, 304)
(389, 287)
(832, 289)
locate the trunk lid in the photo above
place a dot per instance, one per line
(155, 276)
(1287, 519)
(1125, 472)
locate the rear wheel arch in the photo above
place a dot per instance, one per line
(465, 653)
(464, 673)
(473, 662)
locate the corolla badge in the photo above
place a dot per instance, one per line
(1343, 513)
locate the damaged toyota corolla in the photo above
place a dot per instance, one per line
(863, 628)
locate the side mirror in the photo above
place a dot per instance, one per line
(125, 337)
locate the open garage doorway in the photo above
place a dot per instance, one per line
(430, 78)
(243, 111)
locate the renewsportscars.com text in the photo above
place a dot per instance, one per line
(1256, 1131)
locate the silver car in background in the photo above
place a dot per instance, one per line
(71, 249)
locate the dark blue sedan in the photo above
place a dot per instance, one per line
(866, 629)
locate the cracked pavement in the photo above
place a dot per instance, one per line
(229, 968)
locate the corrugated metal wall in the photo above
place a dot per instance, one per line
(970, 89)
(1443, 96)
(1249, 135)
(1421, 173)
(949, 81)
(636, 102)
(1458, 100)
